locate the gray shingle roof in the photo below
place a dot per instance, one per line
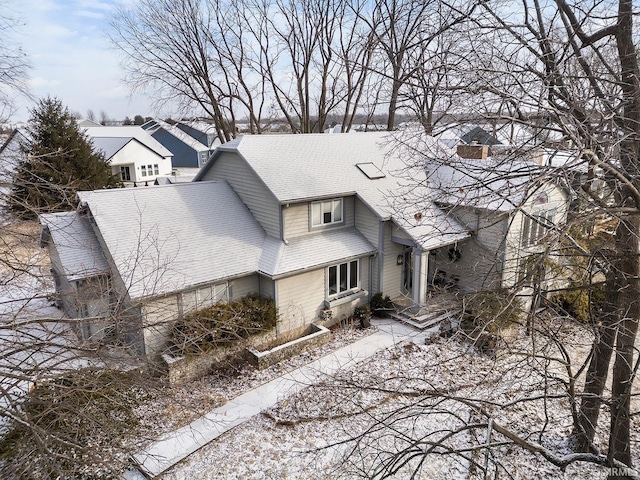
(109, 146)
(498, 185)
(311, 251)
(128, 132)
(78, 248)
(171, 237)
(297, 167)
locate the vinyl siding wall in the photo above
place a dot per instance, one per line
(160, 314)
(515, 251)
(369, 226)
(391, 271)
(297, 223)
(301, 298)
(267, 287)
(476, 269)
(255, 195)
(183, 154)
(481, 257)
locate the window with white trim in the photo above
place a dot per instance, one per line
(535, 226)
(156, 169)
(143, 170)
(326, 212)
(343, 278)
(212, 294)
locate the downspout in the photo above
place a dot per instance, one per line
(503, 248)
(281, 219)
(378, 284)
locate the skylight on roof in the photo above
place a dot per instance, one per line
(370, 170)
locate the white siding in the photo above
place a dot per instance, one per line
(255, 195)
(135, 155)
(515, 252)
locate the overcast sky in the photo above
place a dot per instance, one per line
(71, 58)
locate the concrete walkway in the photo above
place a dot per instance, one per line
(181, 443)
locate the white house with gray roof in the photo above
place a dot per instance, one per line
(134, 155)
(318, 222)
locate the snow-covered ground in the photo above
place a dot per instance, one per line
(411, 398)
(416, 399)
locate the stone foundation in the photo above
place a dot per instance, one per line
(183, 369)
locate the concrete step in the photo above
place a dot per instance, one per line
(425, 321)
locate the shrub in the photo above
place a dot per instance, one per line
(580, 303)
(491, 311)
(363, 315)
(75, 427)
(223, 323)
(380, 303)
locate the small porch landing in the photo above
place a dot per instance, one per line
(439, 308)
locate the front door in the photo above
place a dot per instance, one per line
(407, 271)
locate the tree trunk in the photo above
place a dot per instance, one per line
(598, 371)
(623, 374)
(627, 241)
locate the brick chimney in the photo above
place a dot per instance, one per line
(479, 152)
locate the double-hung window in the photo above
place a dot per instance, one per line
(156, 170)
(343, 278)
(143, 170)
(326, 212)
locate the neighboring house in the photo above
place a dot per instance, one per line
(317, 222)
(204, 132)
(188, 152)
(10, 157)
(86, 123)
(11, 154)
(133, 154)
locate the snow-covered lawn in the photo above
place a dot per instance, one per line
(415, 399)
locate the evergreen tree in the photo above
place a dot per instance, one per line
(59, 161)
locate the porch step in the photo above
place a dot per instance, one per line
(425, 321)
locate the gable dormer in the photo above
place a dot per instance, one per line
(303, 218)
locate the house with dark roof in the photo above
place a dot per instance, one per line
(319, 223)
(190, 151)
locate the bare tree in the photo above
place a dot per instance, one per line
(405, 32)
(14, 65)
(583, 67)
(167, 48)
(567, 75)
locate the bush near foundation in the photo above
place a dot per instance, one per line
(221, 324)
